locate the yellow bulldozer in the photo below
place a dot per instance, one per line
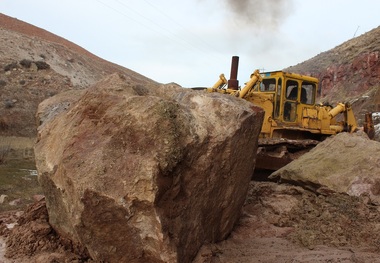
(294, 122)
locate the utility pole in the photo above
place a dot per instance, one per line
(356, 31)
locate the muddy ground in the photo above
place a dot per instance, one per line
(19, 185)
(285, 223)
(280, 223)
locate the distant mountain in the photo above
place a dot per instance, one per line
(36, 64)
(349, 72)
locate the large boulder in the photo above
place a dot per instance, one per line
(147, 174)
(344, 163)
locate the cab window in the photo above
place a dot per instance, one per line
(291, 89)
(308, 92)
(268, 85)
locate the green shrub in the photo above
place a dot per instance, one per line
(11, 66)
(8, 104)
(42, 65)
(26, 63)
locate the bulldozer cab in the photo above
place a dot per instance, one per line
(284, 96)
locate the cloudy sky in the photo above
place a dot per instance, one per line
(191, 42)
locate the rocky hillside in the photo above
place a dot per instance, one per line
(36, 64)
(349, 72)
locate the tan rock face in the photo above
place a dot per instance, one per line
(147, 174)
(344, 163)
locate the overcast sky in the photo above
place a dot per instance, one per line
(191, 42)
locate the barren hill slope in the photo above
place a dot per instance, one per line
(36, 64)
(349, 72)
(67, 51)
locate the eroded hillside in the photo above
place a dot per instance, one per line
(35, 64)
(349, 72)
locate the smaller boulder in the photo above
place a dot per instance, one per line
(344, 163)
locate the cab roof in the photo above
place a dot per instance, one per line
(281, 73)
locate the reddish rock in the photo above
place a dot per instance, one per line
(350, 79)
(349, 72)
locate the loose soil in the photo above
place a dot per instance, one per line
(279, 223)
(285, 223)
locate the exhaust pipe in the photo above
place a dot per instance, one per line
(233, 83)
